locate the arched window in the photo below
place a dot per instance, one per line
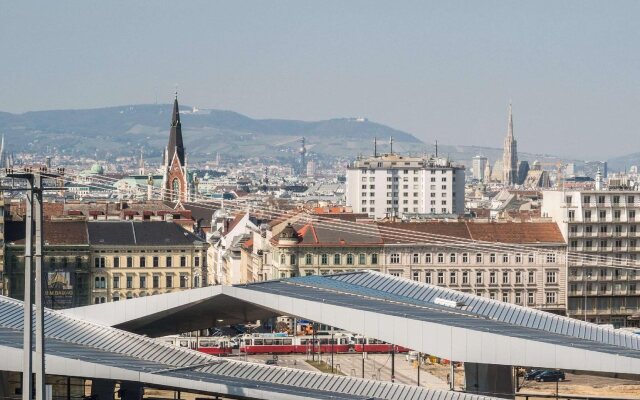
(175, 189)
(349, 259)
(283, 259)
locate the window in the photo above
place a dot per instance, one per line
(183, 280)
(283, 259)
(479, 277)
(550, 297)
(440, 258)
(169, 281)
(440, 278)
(362, 259)
(129, 282)
(349, 259)
(551, 277)
(129, 262)
(600, 199)
(572, 215)
(336, 259)
(465, 277)
(532, 277)
(374, 259)
(292, 259)
(505, 277)
(518, 298)
(492, 258)
(518, 258)
(427, 277)
(505, 258)
(100, 262)
(427, 258)
(452, 277)
(308, 259)
(168, 261)
(183, 261)
(492, 278)
(465, 258)
(395, 258)
(116, 282)
(156, 281)
(492, 295)
(116, 262)
(518, 277)
(551, 258)
(143, 262)
(630, 200)
(143, 282)
(505, 297)
(530, 298)
(416, 276)
(531, 259)
(479, 258)
(156, 262)
(416, 258)
(324, 259)
(100, 282)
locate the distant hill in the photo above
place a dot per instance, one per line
(622, 163)
(122, 130)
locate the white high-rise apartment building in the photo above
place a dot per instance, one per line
(479, 165)
(392, 185)
(601, 229)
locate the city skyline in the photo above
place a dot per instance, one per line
(442, 72)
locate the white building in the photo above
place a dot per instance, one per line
(393, 185)
(479, 165)
(601, 228)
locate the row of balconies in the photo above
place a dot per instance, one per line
(607, 278)
(603, 234)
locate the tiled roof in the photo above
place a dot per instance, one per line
(516, 232)
(128, 233)
(391, 230)
(55, 232)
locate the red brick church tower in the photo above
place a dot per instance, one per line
(175, 182)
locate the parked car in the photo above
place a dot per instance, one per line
(271, 362)
(531, 375)
(550, 376)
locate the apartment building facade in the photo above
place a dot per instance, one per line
(141, 258)
(393, 185)
(601, 229)
(533, 276)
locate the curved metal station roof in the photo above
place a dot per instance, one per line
(84, 349)
(400, 311)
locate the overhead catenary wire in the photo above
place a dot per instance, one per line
(419, 237)
(486, 246)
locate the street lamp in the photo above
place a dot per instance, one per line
(585, 295)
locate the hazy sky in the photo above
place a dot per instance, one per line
(440, 70)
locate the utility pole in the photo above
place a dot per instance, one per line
(33, 287)
(39, 287)
(27, 378)
(393, 363)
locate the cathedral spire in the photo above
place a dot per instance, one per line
(510, 154)
(175, 135)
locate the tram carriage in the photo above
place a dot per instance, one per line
(215, 345)
(342, 343)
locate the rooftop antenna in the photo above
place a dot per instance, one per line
(436, 149)
(375, 147)
(391, 144)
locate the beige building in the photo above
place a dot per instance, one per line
(601, 229)
(534, 276)
(136, 259)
